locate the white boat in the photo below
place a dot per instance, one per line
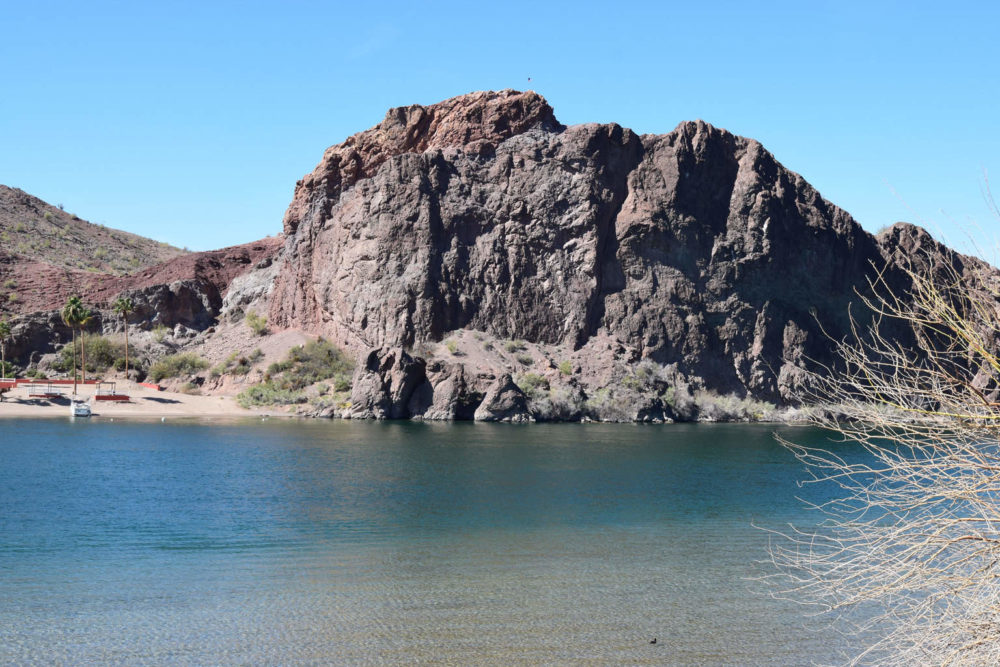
(78, 408)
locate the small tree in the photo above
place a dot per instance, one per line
(71, 316)
(124, 306)
(913, 540)
(86, 316)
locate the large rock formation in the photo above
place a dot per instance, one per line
(487, 262)
(694, 248)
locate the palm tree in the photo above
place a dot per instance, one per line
(123, 306)
(4, 335)
(86, 316)
(72, 315)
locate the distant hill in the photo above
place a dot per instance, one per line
(38, 231)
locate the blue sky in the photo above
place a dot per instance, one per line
(191, 122)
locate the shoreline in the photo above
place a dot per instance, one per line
(147, 403)
(143, 404)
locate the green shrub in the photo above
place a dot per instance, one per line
(102, 354)
(175, 365)
(452, 347)
(513, 346)
(7, 369)
(338, 400)
(307, 364)
(532, 384)
(566, 368)
(160, 332)
(34, 373)
(257, 323)
(10, 284)
(267, 393)
(525, 359)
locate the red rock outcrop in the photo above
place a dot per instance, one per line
(42, 287)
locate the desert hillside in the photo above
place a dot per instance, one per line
(38, 231)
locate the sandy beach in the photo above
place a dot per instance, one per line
(143, 403)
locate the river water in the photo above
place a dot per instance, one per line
(316, 542)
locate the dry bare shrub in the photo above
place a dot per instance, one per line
(912, 540)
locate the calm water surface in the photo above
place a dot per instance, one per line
(282, 542)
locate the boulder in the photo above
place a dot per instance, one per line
(504, 402)
(384, 384)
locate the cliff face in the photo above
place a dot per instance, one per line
(694, 248)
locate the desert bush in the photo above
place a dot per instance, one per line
(102, 354)
(176, 364)
(307, 364)
(338, 400)
(514, 346)
(713, 407)
(267, 393)
(532, 384)
(237, 364)
(605, 406)
(566, 367)
(453, 347)
(160, 333)
(558, 404)
(257, 323)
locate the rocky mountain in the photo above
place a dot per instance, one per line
(483, 261)
(695, 251)
(35, 230)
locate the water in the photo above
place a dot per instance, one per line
(281, 542)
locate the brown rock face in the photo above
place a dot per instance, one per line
(695, 248)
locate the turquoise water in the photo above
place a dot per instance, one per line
(280, 542)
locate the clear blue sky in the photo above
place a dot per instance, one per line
(191, 122)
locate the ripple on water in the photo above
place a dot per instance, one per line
(361, 543)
